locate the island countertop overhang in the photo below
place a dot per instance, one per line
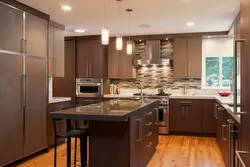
(113, 110)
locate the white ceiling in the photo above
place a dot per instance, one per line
(164, 16)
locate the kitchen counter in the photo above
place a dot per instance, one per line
(59, 99)
(118, 132)
(113, 110)
(224, 101)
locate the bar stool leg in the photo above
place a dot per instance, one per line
(75, 151)
(55, 151)
(83, 147)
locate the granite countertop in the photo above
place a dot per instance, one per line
(113, 110)
(224, 101)
(59, 99)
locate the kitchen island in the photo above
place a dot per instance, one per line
(122, 133)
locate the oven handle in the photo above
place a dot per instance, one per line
(89, 84)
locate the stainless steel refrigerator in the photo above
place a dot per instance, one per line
(23, 85)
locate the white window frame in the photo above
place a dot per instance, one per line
(203, 79)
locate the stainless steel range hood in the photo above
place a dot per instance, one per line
(153, 54)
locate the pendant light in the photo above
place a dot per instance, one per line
(129, 43)
(119, 41)
(105, 30)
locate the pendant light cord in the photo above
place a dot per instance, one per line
(129, 27)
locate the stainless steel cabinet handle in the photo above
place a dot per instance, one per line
(25, 46)
(186, 102)
(216, 111)
(90, 70)
(139, 123)
(223, 131)
(220, 108)
(188, 69)
(187, 112)
(149, 124)
(239, 157)
(149, 144)
(149, 134)
(22, 46)
(27, 90)
(156, 116)
(183, 111)
(149, 113)
(87, 69)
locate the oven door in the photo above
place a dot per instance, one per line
(89, 90)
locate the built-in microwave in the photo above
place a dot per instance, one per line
(89, 87)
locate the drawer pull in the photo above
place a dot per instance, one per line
(149, 144)
(149, 134)
(149, 113)
(149, 124)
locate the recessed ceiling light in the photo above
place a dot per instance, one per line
(80, 30)
(166, 39)
(209, 37)
(144, 26)
(66, 8)
(190, 24)
(140, 40)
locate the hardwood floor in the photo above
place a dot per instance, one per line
(172, 151)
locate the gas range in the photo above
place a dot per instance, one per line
(163, 98)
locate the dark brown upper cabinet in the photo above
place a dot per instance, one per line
(187, 57)
(91, 59)
(11, 31)
(36, 35)
(120, 64)
(56, 50)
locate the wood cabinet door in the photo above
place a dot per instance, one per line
(59, 52)
(98, 59)
(194, 116)
(11, 113)
(82, 58)
(11, 29)
(36, 110)
(36, 35)
(208, 118)
(177, 116)
(114, 70)
(51, 56)
(219, 128)
(180, 58)
(194, 57)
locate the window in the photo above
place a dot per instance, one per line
(217, 63)
(218, 72)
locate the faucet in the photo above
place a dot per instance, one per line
(141, 87)
(184, 91)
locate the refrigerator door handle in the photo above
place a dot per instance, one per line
(23, 92)
(27, 90)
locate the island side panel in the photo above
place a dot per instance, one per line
(109, 144)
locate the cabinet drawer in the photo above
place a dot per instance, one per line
(60, 106)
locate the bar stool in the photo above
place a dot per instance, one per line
(74, 133)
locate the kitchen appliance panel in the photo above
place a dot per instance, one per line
(11, 111)
(89, 87)
(36, 102)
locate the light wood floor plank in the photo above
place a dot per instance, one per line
(172, 151)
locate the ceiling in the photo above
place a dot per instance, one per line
(163, 16)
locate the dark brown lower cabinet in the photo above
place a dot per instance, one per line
(208, 116)
(61, 126)
(185, 115)
(130, 143)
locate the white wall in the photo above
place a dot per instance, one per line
(216, 47)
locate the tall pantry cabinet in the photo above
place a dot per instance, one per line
(23, 83)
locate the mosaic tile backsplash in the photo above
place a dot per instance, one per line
(160, 76)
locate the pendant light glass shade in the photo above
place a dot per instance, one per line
(119, 42)
(105, 36)
(129, 48)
